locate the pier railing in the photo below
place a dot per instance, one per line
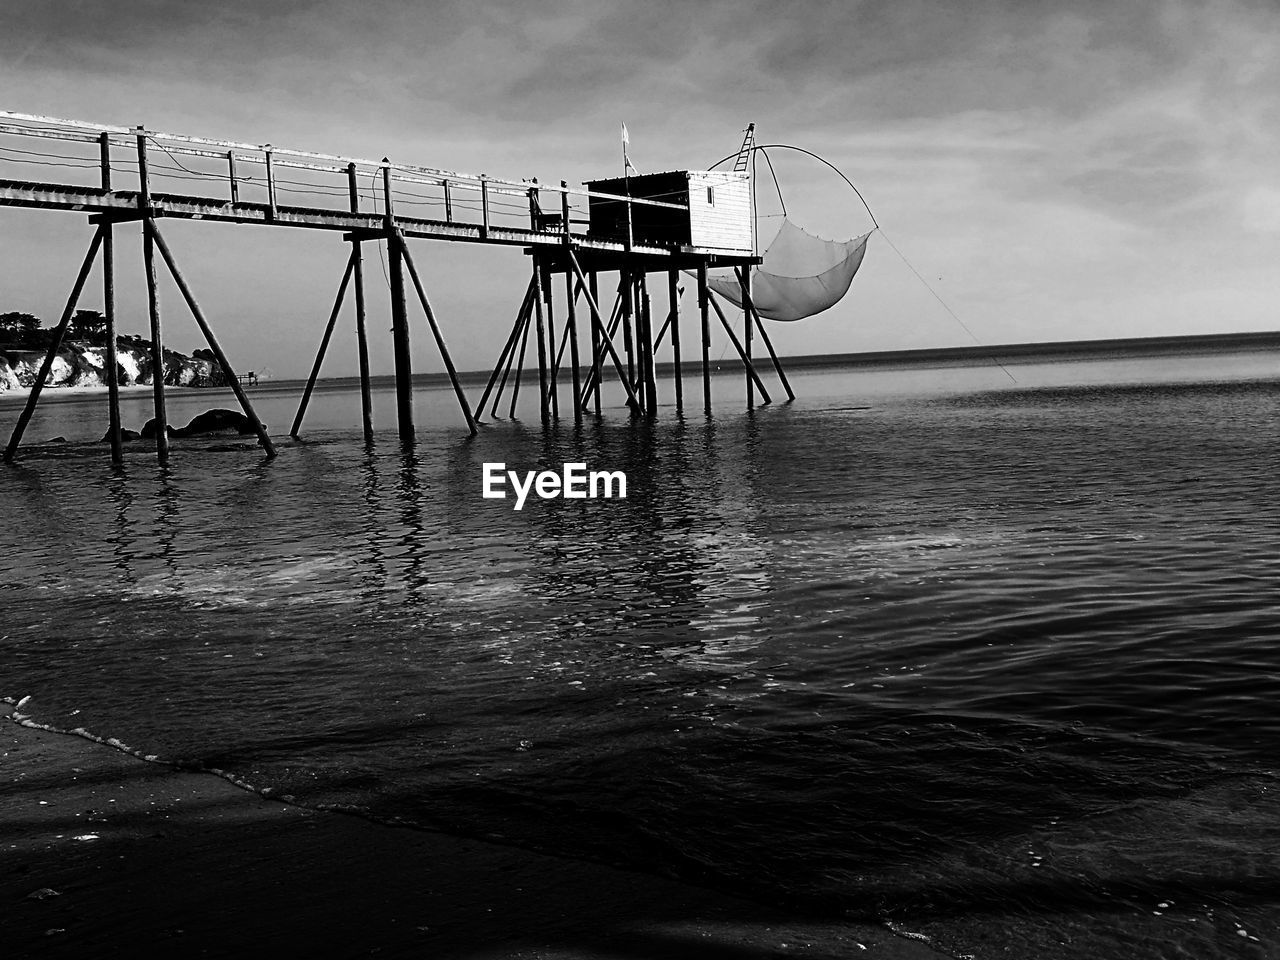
(200, 177)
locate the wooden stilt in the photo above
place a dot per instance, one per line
(642, 380)
(400, 344)
(362, 343)
(742, 354)
(362, 340)
(632, 400)
(521, 335)
(558, 360)
(646, 349)
(508, 349)
(744, 281)
(439, 337)
(154, 231)
(571, 309)
(611, 331)
(571, 330)
(764, 335)
(324, 345)
(577, 288)
(552, 383)
(59, 333)
(595, 376)
(592, 289)
(153, 305)
(399, 318)
(111, 360)
(524, 343)
(507, 357)
(662, 334)
(704, 296)
(673, 318)
(157, 349)
(543, 399)
(628, 310)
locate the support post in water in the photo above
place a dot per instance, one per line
(503, 366)
(673, 298)
(227, 372)
(574, 288)
(153, 304)
(764, 335)
(521, 337)
(744, 281)
(59, 333)
(515, 387)
(109, 309)
(627, 285)
(593, 290)
(632, 401)
(399, 318)
(324, 346)
(544, 404)
(362, 340)
(742, 355)
(646, 348)
(436, 334)
(704, 295)
(605, 332)
(548, 295)
(571, 317)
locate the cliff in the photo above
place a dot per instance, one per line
(82, 364)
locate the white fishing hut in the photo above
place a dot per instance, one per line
(711, 210)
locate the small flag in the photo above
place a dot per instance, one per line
(626, 161)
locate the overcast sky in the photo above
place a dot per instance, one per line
(1055, 170)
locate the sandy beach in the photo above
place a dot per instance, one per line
(105, 853)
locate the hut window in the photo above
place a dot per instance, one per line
(711, 196)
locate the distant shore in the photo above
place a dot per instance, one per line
(1045, 352)
(1053, 351)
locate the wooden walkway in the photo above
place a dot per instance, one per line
(368, 200)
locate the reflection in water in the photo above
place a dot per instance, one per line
(411, 536)
(119, 491)
(373, 570)
(167, 522)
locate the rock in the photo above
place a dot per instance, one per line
(149, 430)
(8, 378)
(217, 420)
(125, 434)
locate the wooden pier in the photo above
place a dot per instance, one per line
(635, 228)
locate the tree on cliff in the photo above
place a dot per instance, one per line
(87, 324)
(16, 325)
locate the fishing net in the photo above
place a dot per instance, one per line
(801, 274)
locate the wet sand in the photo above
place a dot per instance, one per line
(102, 853)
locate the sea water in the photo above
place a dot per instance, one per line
(992, 657)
